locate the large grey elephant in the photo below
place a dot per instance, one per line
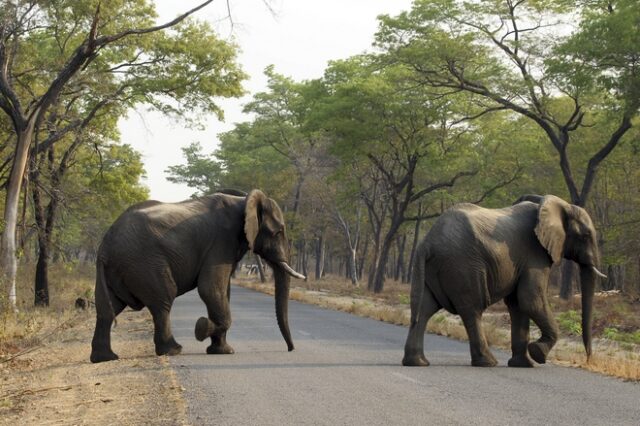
(473, 257)
(157, 251)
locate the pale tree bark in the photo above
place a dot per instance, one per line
(352, 239)
(320, 248)
(263, 278)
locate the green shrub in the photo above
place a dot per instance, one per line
(569, 322)
(613, 333)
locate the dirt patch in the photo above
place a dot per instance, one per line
(55, 384)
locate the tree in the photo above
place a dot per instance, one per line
(511, 56)
(201, 171)
(45, 62)
(410, 143)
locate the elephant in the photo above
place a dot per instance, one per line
(157, 251)
(473, 257)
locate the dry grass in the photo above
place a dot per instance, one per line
(611, 358)
(45, 373)
(31, 325)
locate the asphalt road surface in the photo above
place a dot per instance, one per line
(346, 370)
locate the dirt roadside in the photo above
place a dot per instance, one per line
(57, 385)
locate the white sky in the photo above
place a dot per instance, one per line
(298, 40)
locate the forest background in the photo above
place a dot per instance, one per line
(459, 102)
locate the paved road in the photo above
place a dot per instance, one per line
(346, 371)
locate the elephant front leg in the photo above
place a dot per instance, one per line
(532, 299)
(213, 288)
(519, 334)
(481, 356)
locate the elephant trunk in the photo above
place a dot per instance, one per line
(588, 283)
(281, 278)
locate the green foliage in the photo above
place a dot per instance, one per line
(570, 322)
(613, 333)
(97, 191)
(451, 88)
(201, 171)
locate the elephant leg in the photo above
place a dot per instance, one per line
(101, 343)
(532, 299)
(414, 346)
(213, 288)
(162, 336)
(519, 333)
(481, 356)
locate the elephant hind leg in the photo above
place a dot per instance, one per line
(162, 336)
(414, 346)
(519, 333)
(481, 356)
(108, 306)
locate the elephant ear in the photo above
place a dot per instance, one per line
(550, 229)
(253, 214)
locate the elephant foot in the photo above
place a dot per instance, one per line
(520, 361)
(170, 349)
(204, 328)
(538, 351)
(102, 356)
(484, 361)
(415, 361)
(223, 349)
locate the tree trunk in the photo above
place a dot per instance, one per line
(569, 279)
(326, 268)
(305, 260)
(375, 261)
(401, 241)
(377, 283)
(615, 278)
(260, 269)
(9, 261)
(319, 257)
(414, 246)
(41, 288)
(363, 257)
(353, 271)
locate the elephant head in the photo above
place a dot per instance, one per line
(566, 230)
(266, 234)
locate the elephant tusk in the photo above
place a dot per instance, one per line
(598, 273)
(291, 272)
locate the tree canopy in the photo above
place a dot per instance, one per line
(461, 101)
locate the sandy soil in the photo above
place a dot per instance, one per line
(57, 385)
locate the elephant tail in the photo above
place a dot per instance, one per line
(101, 286)
(418, 280)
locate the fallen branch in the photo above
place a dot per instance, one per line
(33, 391)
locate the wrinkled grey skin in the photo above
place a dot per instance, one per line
(473, 257)
(157, 251)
